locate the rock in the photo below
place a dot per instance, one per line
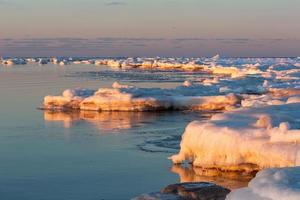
(188, 191)
(157, 196)
(197, 191)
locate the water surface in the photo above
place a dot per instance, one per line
(85, 155)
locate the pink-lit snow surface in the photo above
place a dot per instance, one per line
(244, 139)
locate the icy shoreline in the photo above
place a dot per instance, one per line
(259, 128)
(259, 97)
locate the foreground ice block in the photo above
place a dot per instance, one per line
(245, 139)
(271, 184)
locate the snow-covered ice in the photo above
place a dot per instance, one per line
(244, 139)
(129, 98)
(271, 184)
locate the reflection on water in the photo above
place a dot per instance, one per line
(76, 161)
(159, 132)
(230, 180)
(109, 121)
(156, 138)
(104, 121)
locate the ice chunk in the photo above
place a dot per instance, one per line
(43, 61)
(187, 83)
(294, 99)
(233, 71)
(114, 63)
(13, 61)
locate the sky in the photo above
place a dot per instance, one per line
(149, 27)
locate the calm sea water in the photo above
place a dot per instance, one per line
(86, 155)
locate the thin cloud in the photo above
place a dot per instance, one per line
(115, 3)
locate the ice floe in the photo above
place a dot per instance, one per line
(129, 98)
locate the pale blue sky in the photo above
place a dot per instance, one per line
(165, 19)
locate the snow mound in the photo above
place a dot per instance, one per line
(271, 184)
(69, 99)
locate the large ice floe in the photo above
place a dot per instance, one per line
(129, 98)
